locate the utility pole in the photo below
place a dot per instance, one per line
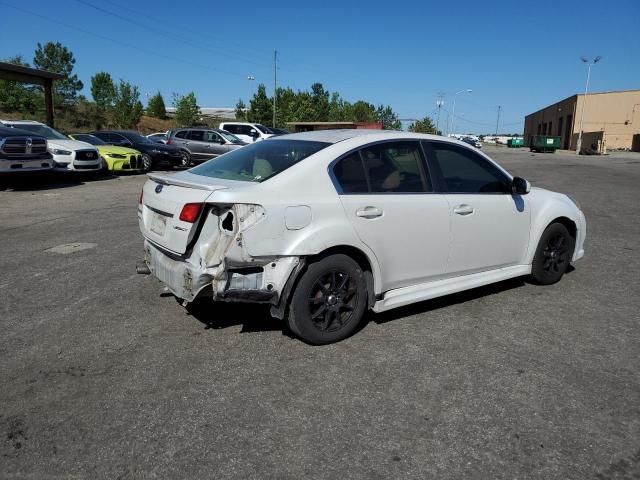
(275, 84)
(498, 121)
(439, 104)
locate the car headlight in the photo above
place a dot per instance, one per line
(116, 155)
(575, 202)
(57, 151)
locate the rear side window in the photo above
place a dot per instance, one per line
(350, 174)
(231, 128)
(391, 167)
(259, 161)
(197, 135)
(464, 171)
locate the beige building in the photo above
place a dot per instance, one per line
(611, 121)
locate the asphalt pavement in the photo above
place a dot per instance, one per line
(103, 375)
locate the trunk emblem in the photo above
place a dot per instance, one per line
(158, 188)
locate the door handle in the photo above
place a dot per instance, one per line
(463, 209)
(369, 212)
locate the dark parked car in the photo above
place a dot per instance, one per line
(202, 144)
(153, 154)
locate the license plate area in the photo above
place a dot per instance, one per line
(158, 224)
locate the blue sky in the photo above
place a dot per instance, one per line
(520, 55)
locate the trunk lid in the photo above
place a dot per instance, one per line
(164, 197)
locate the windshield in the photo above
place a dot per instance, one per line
(41, 130)
(83, 137)
(229, 137)
(258, 161)
(262, 128)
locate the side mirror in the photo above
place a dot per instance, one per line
(520, 186)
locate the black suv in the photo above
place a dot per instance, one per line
(153, 154)
(22, 151)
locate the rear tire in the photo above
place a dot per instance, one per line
(553, 255)
(329, 301)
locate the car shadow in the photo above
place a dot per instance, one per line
(40, 181)
(445, 301)
(219, 315)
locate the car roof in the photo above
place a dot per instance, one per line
(23, 122)
(335, 136)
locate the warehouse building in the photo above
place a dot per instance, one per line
(611, 121)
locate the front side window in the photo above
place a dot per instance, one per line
(390, 167)
(213, 137)
(182, 134)
(259, 161)
(464, 171)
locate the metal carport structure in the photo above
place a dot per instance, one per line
(18, 73)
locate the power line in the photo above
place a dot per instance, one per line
(120, 42)
(163, 33)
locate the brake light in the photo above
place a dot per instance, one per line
(190, 212)
(140, 201)
(169, 142)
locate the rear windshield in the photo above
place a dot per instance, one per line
(259, 161)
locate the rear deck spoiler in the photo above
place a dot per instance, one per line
(171, 180)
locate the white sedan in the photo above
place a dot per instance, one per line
(326, 225)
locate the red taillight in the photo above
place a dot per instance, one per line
(190, 212)
(140, 201)
(169, 142)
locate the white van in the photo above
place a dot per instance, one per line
(247, 132)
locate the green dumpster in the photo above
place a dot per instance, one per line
(515, 142)
(544, 143)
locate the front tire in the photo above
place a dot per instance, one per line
(329, 301)
(185, 159)
(553, 255)
(147, 162)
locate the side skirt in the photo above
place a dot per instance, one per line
(426, 291)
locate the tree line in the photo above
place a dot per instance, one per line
(116, 104)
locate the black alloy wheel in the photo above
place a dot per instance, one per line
(329, 301)
(147, 163)
(553, 255)
(185, 159)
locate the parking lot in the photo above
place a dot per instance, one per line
(103, 374)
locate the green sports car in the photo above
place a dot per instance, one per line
(114, 158)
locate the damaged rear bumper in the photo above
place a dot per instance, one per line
(262, 280)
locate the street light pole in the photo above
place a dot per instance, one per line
(584, 101)
(453, 112)
(250, 78)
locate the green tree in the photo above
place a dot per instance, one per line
(241, 111)
(319, 103)
(388, 118)
(103, 90)
(155, 106)
(127, 108)
(425, 125)
(261, 107)
(55, 57)
(362, 111)
(18, 96)
(187, 110)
